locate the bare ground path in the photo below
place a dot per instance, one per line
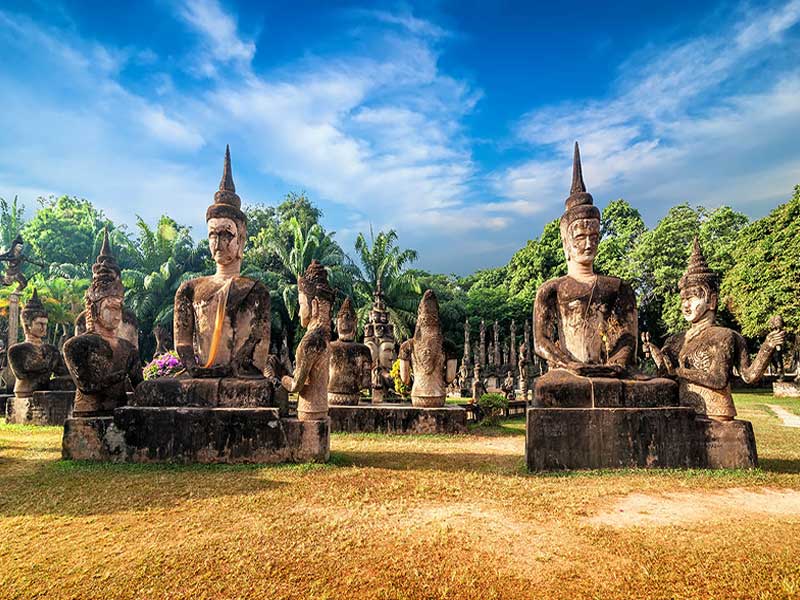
(789, 419)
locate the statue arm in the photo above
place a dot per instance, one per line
(309, 351)
(258, 301)
(406, 350)
(184, 327)
(753, 372)
(624, 349)
(89, 368)
(544, 322)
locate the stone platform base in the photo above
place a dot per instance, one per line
(42, 408)
(786, 389)
(561, 389)
(230, 392)
(609, 438)
(397, 418)
(196, 435)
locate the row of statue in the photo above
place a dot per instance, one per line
(585, 325)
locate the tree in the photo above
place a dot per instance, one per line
(765, 277)
(621, 226)
(12, 220)
(541, 259)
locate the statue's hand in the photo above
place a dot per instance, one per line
(210, 372)
(287, 382)
(775, 338)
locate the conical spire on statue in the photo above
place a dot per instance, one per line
(34, 308)
(698, 272)
(227, 203)
(428, 312)
(579, 204)
(346, 311)
(105, 274)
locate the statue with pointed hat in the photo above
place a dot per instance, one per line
(379, 338)
(312, 359)
(703, 357)
(584, 323)
(222, 321)
(425, 355)
(350, 362)
(102, 364)
(34, 362)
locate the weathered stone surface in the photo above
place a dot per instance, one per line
(3, 400)
(350, 362)
(786, 389)
(729, 444)
(561, 389)
(196, 435)
(210, 393)
(41, 408)
(601, 438)
(388, 418)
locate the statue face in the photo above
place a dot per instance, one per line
(224, 241)
(305, 308)
(583, 237)
(110, 314)
(346, 329)
(386, 354)
(37, 328)
(695, 303)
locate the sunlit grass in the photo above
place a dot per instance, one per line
(389, 517)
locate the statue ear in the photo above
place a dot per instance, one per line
(713, 299)
(314, 307)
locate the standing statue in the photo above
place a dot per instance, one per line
(425, 355)
(584, 323)
(506, 355)
(508, 386)
(483, 344)
(527, 338)
(478, 384)
(379, 338)
(310, 378)
(467, 352)
(522, 368)
(34, 361)
(497, 348)
(512, 357)
(491, 355)
(463, 378)
(350, 362)
(702, 358)
(102, 364)
(15, 260)
(222, 321)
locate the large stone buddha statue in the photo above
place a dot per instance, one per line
(222, 322)
(101, 363)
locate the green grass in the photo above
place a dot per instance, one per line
(389, 517)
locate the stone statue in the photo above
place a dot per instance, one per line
(128, 328)
(483, 344)
(508, 386)
(379, 338)
(163, 340)
(102, 364)
(497, 348)
(350, 362)
(310, 378)
(527, 338)
(222, 322)
(702, 358)
(285, 355)
(522, 368)
(512, 357)
(491, 355)
(463, 377)
(425, 354)
(584, 323)
(506, 357)
(34, 361)
(15, 260)
(467, 352)
(777, 360)
(478, 385)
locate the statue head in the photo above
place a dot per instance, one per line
(227, 224)
(314, 294)
(34, 319)
(346, 321)
(699, 287)
(386, 353)
(428, 311)
(105, 294)
(580, 223)
(16, 245)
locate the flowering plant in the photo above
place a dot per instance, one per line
(163, 365)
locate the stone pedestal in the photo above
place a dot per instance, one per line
(41, 408)
(729, 444)
(397, 419)
(211, 393)
(786, 389)
(561, 389)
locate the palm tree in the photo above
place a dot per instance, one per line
(384, 264)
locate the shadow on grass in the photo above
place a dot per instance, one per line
(779, 465)
(503, 464)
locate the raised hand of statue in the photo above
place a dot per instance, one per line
(775, 339)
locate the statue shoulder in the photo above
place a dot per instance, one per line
(83, 344)
(186, 289)
(314, 342)
(549, 287)
(18, 352)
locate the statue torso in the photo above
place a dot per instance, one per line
(349, 362)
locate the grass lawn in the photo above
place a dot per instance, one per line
(398, 517)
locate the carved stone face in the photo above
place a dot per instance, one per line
(305, 308)
(224, 241)
(582, 239)
(696, 303)
(110, 314)
(386, 354)
(346, 328)
(37, 328)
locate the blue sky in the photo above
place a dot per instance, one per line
(451, 122)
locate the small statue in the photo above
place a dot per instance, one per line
(285, 355)
(776, 324)
(496, 347)
(522, 367)
(34, 361)
(508, 386)
(478, 385)
(15, 260)
(350, 362)
(163, 340)
(702, 358)
(463, 377)
(310, 379)
(222, 321)
(425, 355)
(102, 364)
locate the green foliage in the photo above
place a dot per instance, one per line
(492, 406)
(400, 388)
(541, 259)
(12, 220)
(621, 228)
(764, 278)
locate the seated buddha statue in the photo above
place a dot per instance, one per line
(585, 324)
(222, 321)
(703, 357)
(350, 362)
(101, 364)
(34, 361)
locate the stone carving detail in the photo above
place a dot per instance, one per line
(478, 384)
(350, 362)
(482, 354)
(425, 355)
(312, 359)
(101, 364)
(379, 338)
(702, 359)
(34, 360)
(467, 351)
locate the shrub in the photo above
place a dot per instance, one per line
(492, 407)
(401, 388)
(163, 365)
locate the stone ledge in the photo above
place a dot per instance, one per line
(210, 393)
(45, 408)
(397, 419)
(562, 389)
(196, 435)
(786, 389)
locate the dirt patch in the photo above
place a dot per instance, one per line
(789, 419)
(644, 510)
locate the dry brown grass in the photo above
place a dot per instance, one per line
(389, 518)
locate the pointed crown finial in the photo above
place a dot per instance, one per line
(227, 203)
(697, 271)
